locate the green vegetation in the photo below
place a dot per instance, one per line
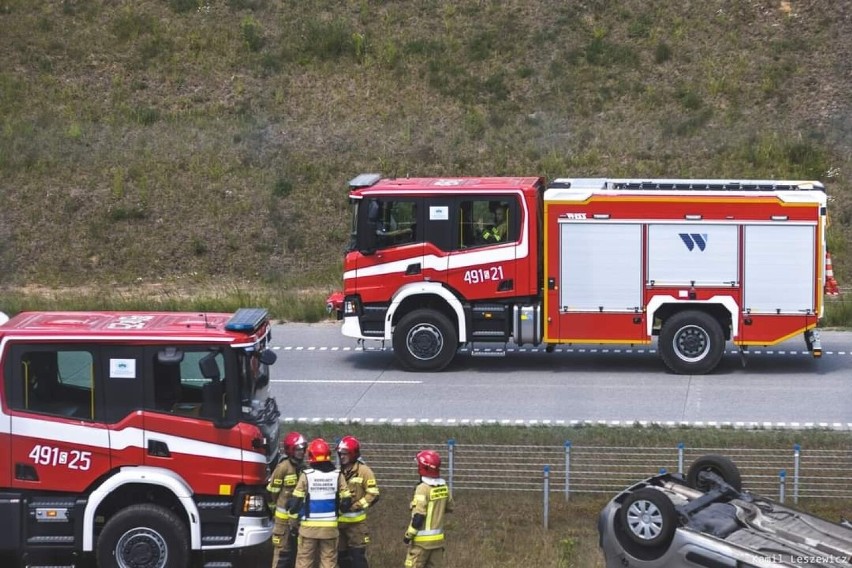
(205, 144)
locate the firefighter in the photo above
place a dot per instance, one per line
(354, 534)
(499, 230)
(280, 488)
(320, 495)
(425, 533)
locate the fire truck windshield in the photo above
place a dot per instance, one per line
(258, 407)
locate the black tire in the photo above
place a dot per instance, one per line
(143, 536)
(691, 342)
(649, 518)
(720, 465)
(425, 340)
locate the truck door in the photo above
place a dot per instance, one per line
(184, 407)
(58, 441)
(396, 255)
(487, 240)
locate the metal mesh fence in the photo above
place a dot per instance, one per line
(798, 472)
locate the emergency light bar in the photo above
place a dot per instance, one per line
(247, 319)
(364, 180)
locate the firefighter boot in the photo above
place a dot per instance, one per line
(343, 559)
(358, 558)
(284, 560)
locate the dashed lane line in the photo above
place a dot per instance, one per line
(739, 425)
(346, 381)
(560, 350)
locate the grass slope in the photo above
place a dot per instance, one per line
(190, 141)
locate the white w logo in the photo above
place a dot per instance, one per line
(692, 240)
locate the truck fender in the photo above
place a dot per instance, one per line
(726, 301)
(151, 476)
(427, 288)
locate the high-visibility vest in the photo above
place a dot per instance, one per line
(320, 508)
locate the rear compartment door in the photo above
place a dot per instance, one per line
(779, 273)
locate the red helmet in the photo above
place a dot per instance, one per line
(293, 441)
(318, 451)
(350, 444)
(429, 463)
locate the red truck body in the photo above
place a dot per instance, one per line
(620, 261)
(137, 438)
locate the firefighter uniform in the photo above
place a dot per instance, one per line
(354, 533)
(425, 532)
(280, 487)
(320, 494)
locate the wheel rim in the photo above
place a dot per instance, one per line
(644, 519)
(691, 343)
(424, 341)
(141, 548)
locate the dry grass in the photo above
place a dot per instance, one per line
(211, 140)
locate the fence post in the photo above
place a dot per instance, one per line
(680, 447)
(567, 470)
(782, 475)
(546, 495)
(797, 452)
(451, 446)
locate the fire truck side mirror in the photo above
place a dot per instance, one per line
(209, 367)
(268, 357)
(170, 356)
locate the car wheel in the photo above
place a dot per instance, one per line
(425, 340)
(649, 518)
(143, 536)
(720, 465)
(691, 342)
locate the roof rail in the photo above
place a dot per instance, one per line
(691, 184)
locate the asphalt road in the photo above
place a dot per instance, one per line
(321, 375)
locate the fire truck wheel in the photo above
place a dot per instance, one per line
(691, 342)
(425, 340)
(143, 536)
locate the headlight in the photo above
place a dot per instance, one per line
(254, 504)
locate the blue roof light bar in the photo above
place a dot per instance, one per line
(247, 319)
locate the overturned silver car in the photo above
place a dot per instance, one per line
(705, 519)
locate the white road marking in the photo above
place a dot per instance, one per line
(574, 423)
(346, 381)
(649, 351)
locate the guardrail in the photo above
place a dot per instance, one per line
(572, 470)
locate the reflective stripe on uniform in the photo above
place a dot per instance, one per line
(353, 517)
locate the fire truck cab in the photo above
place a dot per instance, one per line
(437, 263)
(137, 439)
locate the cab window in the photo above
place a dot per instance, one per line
(396, 223)
(55, 381)
(487, 221)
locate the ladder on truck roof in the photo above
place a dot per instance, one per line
(686, 184)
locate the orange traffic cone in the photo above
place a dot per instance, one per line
(831, 287)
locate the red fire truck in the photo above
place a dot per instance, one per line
(137, 439)
(438, 263)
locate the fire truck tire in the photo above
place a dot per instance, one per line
(425, 340)
(143, 536)
(691, 342)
